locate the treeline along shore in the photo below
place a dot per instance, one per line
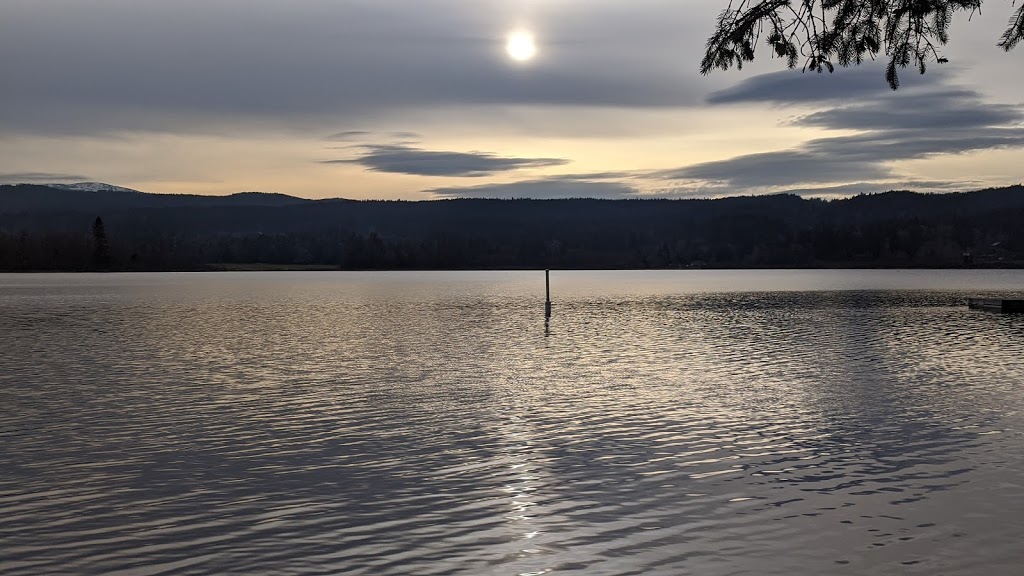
(44, 228)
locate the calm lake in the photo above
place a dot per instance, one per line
(674, 422)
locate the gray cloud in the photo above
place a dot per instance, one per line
(406, 136)
(33, 177)
(939, 111)
(590, 176)
(547, 188)
(844, 85)
(899, 126)
(349, 139)
(784, 168)
(348, 135)
(401, 159)
(913, 144)
(848, 158)
(198, 65)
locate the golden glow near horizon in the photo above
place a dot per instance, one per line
(521, 46)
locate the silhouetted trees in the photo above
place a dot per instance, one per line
(895, 229)
(822, 34)
(100, 246)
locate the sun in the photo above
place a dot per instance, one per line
(520, 46)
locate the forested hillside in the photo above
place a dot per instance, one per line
(44, 228)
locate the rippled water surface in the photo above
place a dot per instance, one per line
(669, 423)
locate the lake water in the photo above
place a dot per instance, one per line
(691, 422)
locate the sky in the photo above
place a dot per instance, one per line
(421, 99)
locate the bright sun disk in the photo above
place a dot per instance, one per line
(520, 46)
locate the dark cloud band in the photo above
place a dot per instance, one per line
(400, 159)
(929, 118)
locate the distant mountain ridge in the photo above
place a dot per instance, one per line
(99, 197)
(94, 196)
(45, 227)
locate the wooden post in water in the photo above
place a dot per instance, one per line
(547, 294)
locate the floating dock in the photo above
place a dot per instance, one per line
(996, 304)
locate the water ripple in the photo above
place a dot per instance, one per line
(416, 424)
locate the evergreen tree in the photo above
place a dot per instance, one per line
(100, 246)
(821, 34)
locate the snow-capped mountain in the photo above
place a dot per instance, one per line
(92, 187)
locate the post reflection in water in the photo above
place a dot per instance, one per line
(671, 423)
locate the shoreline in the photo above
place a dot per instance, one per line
(256, 267)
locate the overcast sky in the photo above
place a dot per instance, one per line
(420, 99)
